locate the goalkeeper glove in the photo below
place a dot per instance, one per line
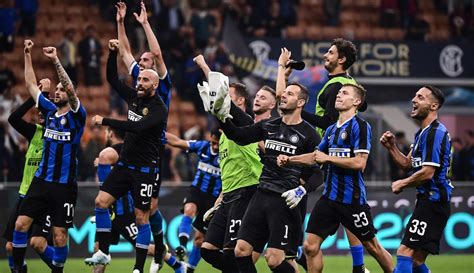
(294, 196)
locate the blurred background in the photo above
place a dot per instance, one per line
(402, 45)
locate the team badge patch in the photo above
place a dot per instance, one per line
(145, 111)
(63, 121)
(294, 138)
(343, 135)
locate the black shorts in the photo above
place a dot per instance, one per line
(54, 199)
(269, 219)
(124, 225)
(39, 228)
(224, 226)
(203, 201)
(294, 244)
(121, 180)
(426, 225)
(327, 215)
(158, 179)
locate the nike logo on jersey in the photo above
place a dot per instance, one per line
(283, 244)
(414, 240)
(233, 238)
(144, 203)
(365, 233)
(45, 231)
(68, 222)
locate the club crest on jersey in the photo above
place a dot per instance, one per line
(343, 135)
(294, 138)
(145, 111)
(280, 146)
(63, 121)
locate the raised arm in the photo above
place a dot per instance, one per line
(402, 161)
(66, 82)
(282, 72)
(153, 44)
(243, 135)
(112, 75)
(30, 78)
(177, 142)
(124, 46)
(199, 60)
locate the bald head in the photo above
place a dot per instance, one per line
(147, 82)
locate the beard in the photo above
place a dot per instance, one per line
(61, 103)
(331, 66)
(422, 113)
(259, 111)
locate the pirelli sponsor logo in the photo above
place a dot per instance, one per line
(55, 135)
(133, 116)
(340, 152)
(209, 168)
(280, 146)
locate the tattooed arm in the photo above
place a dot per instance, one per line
(66, 82)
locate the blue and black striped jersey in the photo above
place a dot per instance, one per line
(62, 136)
(208, 174)
(163, 90)
(352, 137)
(433, 148)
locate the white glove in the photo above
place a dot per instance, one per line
(210, 213)
(219, 95)
(204, 93)
(294, 196)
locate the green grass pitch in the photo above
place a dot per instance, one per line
(332, 264)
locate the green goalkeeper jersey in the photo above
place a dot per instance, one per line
(32, 159)
(240, 165)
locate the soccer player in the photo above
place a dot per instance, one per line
(33, 132)
(268, 218)
(202, 194)
(344, 149)
(429, 159)
(138, 164)
(122, 215)
(240, 169)
(54, 186)
(152, 59)
(338, 59)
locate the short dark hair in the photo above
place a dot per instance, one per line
(345, 48)
(360, 92)
(269, 89)
(216, 132)
(241, 91)
(437, 93)
(117, 132)
(304, 93)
